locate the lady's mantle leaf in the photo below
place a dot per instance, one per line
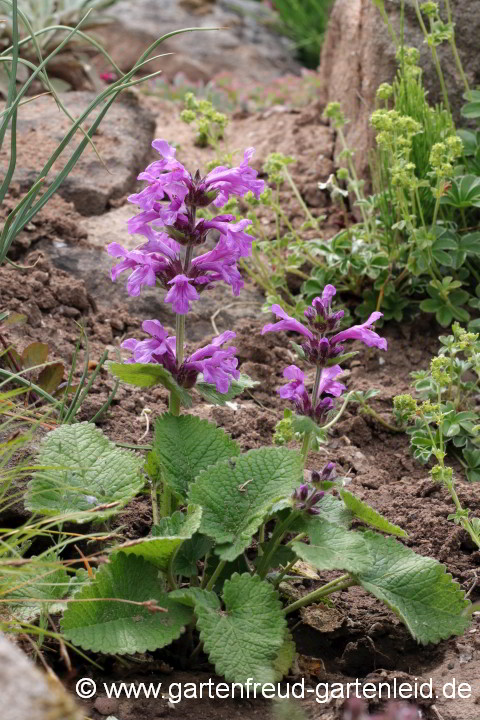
(369, 516)
(118, 627)
(82, 470)
(184, 445)
(237, 494)
(148, 375)
(166, 539)
(332, 547)
(247, 638)
(416, 588)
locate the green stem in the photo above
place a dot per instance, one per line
(285, 571)
(373, 413)
(453, 45)
(215, 575)
(341, 583)
(155, 516)
(301, 201)
(340, 413)
(306, 445)
(275, 540)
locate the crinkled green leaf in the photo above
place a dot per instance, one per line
(194, 596)
(237, 494)
(211, 394)
(334, 511)
(190, 552)
(184, 445)
(120, 627)
(332, 547)
(148, 375)
(42, 579)
(369, 516)
(83, 470)
(418, 589)
(246, 639)
(167, 538)
(284, 660)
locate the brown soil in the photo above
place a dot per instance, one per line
(359, 637)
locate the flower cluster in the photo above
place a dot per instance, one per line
(168, 222)
(322, 344)
(217, 364)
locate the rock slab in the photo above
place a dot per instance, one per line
(123, 141)
(28, 693)
(358, 55)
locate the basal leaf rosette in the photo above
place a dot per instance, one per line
(113, 626)
(237, 494)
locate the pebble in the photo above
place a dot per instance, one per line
(105, 705)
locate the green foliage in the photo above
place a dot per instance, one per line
(416, 588)
(369, 516)
(184, 446)
(332, 547)
(167, 537)
(81, 470)
(305, 21)
(247, 638)
(236, 495)
(211, 395)
(41, 579)
(98, 620)
(148, 375)
(209, 123)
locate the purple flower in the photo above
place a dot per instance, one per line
(221, 262)
(286, 323)
(294, 390)
(362, 332)
(328, 383)
(159, 349)
(181, 294)
(234, 181)
(145, 267)
(218, 364)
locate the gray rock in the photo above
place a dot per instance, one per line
(28, 693)
(123, 142)
(246, 39)
(358, 55)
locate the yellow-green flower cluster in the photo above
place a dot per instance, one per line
(440, 368)
(430, 9)
(444, 154)
(395, 131)
(384, 92)
(274, 167)
(334, 112)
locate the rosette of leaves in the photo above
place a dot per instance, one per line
(218, 565)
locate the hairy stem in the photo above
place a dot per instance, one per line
(341, 583)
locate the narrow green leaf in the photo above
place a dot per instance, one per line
(82, 470)
(121, 627)
(184, 445)
(211, 394)
(247, 639)
(418, 589)
(237, 494)
(369, 516)
(148, 375)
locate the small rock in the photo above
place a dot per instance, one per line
(105, 705)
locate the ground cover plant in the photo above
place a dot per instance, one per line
(197, 570)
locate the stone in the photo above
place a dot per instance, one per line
(243, 39)
(358, 55)
(123, 141)
(27, 692)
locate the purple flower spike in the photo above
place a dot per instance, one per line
(181, 294)
(286, 323)
(362, 332)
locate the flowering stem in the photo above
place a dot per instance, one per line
(285, 571)
(339, 414)
(306, 446)
(341, 583)
(296, 192)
